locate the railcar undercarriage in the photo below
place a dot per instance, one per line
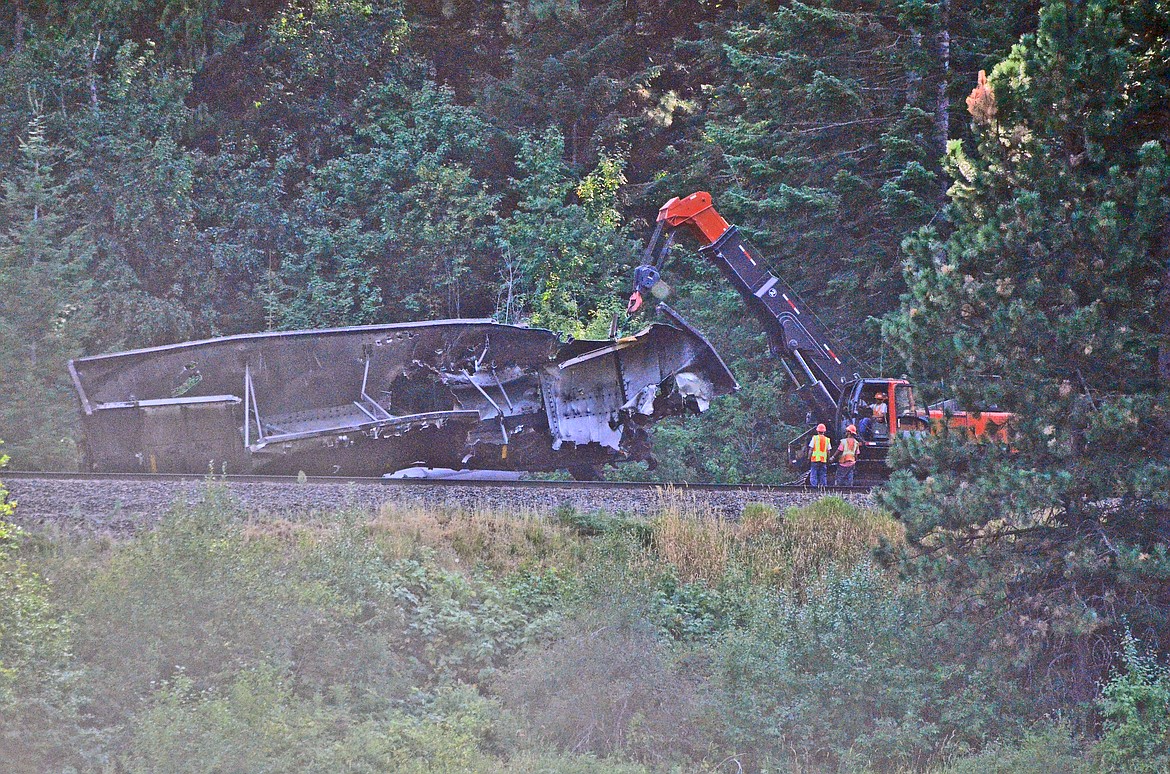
(374, 399)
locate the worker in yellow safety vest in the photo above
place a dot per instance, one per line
(818, 458)
(846, 455)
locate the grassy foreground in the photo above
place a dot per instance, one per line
(453, 641)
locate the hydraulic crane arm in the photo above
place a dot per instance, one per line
(794, 333)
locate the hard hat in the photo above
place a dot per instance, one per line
(881, 395)
(820, 428)
(851, 429)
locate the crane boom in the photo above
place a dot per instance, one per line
(793, 332)
(881, 407)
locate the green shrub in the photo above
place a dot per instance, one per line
(197, 597)
(455, 627)
(449, 625)
(598, 522)
(693, 611)
(1135, 705)
(32, 633)
(534, 763)
(258, 724)
(856, 671)
(607, 687)
(208, 594)
(1048, 749)
(40, 724)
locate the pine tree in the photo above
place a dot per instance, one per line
(823, 148)
(825, 137)
(572, 69)
(45, 308)
(1046, 294)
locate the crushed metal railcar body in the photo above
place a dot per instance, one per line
(369, 400)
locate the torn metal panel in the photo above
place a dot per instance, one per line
(373, 399)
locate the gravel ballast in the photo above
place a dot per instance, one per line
(126, 506)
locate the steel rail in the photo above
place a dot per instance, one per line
(648, 486)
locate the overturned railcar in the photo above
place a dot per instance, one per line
(369, 400)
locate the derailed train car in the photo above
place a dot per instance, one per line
(369, 400)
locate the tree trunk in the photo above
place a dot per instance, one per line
(1164, 349)
(1164, 331)
(943, 107)
(913, 76)
(91, 75)
(18, 28)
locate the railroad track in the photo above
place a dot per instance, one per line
(536, 484)
(125, 503)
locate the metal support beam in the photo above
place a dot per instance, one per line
(365, 397)
(496, 406)
(247, 403)
(250, 386)
(502, 390)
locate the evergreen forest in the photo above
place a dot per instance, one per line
(973, 195)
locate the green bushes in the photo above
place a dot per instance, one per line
(1135, 705)
(857, 671)
(41, 726)
(1048, 749)
(256, 723)
(199, 597)
(694, 611)
(607, 686)
(206, 595)
(462, 642)
(785, 649)
(335, 651)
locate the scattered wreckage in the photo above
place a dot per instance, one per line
(370, 400)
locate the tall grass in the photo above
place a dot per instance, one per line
(782, 549)
(465, 537)
(690, 537)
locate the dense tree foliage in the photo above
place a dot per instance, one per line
(822, 138)
(46, 309)
(230, 168)
(1052, 273)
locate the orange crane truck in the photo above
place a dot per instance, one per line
(837, 396)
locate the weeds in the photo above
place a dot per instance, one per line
(856, 671)
(699, 546)
(1048, 749)
(1135, 704)
(608, 687)
(463, 538)
(783, 550)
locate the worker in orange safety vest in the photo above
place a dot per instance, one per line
(846, 455)
(818, 458)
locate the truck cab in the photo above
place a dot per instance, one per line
(880, 409)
